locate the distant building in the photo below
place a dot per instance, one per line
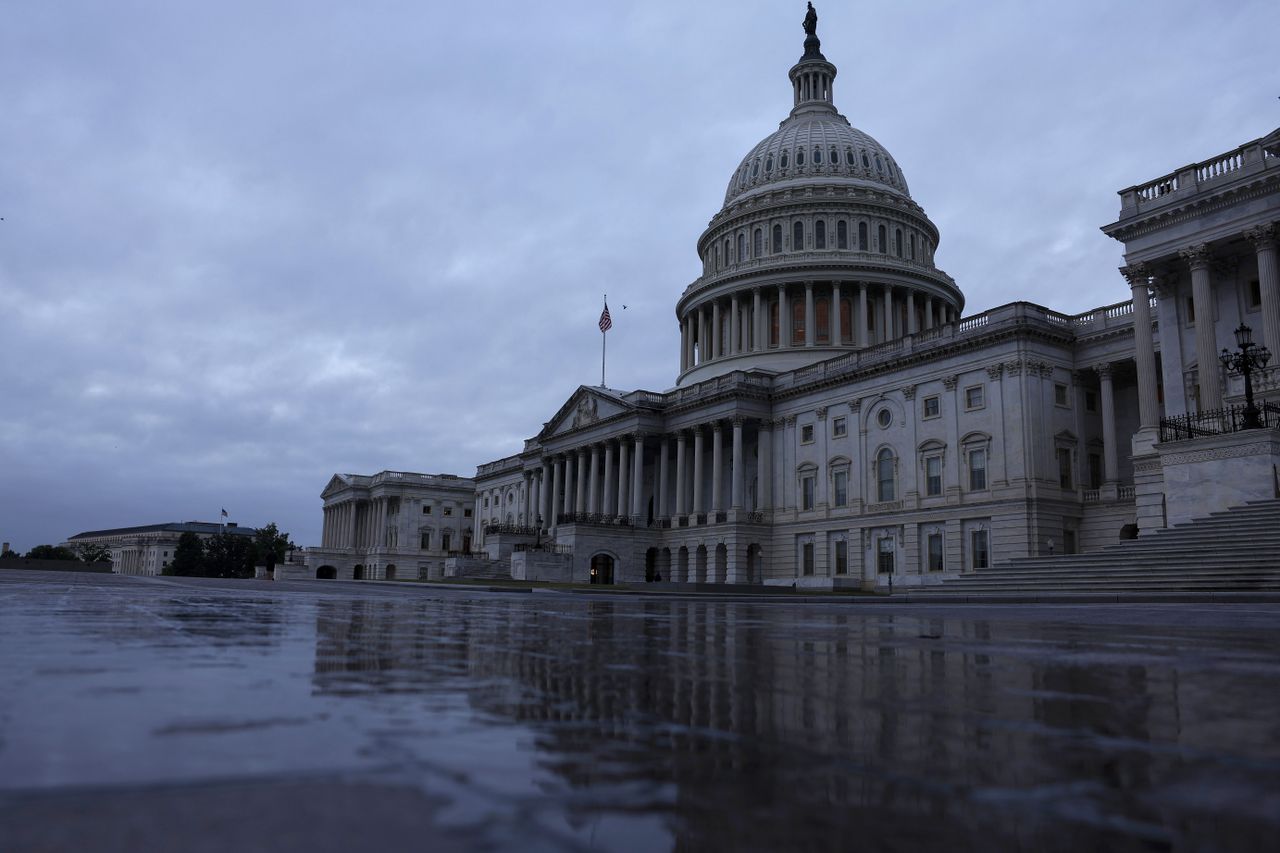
(148, 550)
(394, 524)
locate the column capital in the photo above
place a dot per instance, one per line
(995, 371)
(855, 403)
(717, 425)
(1198, 257)
(1262, 236)
(908, 392)
(789, 420)
(738, 420)
(950, 382)
(1138, 275)
(821, 412)
(1104, 369)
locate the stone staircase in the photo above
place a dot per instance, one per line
(1235, 552)
(477, 568)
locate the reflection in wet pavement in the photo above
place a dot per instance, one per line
(575, 722)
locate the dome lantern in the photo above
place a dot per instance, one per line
(812, 77)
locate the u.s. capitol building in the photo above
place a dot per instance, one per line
(838, 421)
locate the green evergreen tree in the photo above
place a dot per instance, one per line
(188, 558)
(229, 555)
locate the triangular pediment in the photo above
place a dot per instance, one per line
(336, 484)
(585, 407)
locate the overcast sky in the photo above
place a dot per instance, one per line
(247, 245)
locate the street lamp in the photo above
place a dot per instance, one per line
(1250, 358)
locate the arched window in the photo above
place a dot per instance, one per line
(897, 241)
(742, 247)
(773, 323)
(768, 164)
(884, 241)
(817, 156)
(866, 164)
(728, 251)
(835, 157)
(755, 169)
(717, 256)
(862, 236)
(820, 234)
(846, 320)
(800, 157)
(785, 160)
(913, 247)
(822, 320)
(797, 237)
(884, 475)
(777, 239)
(848, 157)
(842, 234)
(797, 322)
(757, 244)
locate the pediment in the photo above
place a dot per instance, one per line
(336, 484)
(585, 407)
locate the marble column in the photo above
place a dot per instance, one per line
(637, 476)
(622, 476)
(1110, 466)
(1264, 245)
(715, 329)
(837, 333)
(553, 499)
(568, 482)
(717, 467)
(1199, 257)
(681, 479)
(1138, 276)
(610, 496)
(810, 329)
(544, 499)
(757, 325)
(735, 326)
(736, 497)
(697, 471)
(928, 313)
(764, 465)
(861, 320)
(888, 314)
(594, 496)
(911, 312)
(580, 493)
(664, 454)
(784, 317)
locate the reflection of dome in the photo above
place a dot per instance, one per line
(811, 148)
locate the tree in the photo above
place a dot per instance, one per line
(270, 545)
(50, 552)
(91, 552)
(188, 557)
(228, 555)
(8, 553)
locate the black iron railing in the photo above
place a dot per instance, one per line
(1215, 422)
(509, 529)
(542, 547)
(596, 518)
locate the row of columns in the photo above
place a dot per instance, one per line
(356, 523)
(703, 337)
(1199, 258)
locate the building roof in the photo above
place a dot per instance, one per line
(205, 527)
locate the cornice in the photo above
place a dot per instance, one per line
(1192, 207)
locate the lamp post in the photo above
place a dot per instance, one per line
(1251, 357)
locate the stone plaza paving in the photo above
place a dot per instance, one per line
(171, 714)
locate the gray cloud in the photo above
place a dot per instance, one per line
(246, 245)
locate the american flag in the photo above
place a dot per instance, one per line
(606, 322)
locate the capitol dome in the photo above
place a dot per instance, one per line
(818, 251)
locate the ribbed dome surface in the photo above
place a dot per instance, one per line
(815, 146)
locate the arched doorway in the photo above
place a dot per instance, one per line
(651, 565)
(682, 565)
(357, 573)
(391, 571)
(602, 569)
(722, 564)
(753, 563)
(664, 564)
(326, 573)
(700, 565)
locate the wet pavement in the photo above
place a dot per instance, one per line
(171, 714)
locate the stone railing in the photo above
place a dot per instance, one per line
(1090, 496)
(1127, 492)
(509, 530)
(1248, 158)
(783, 260)
(498, 466)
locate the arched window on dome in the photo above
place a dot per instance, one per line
(842, 234)
(797, 237)
(897, 242)
(799, 156)
(817, 156)
(862, 236)
(884, 241)
(913, 247)
(742, 247)
(717, 256)
(885, 464)
(773, 323)
(728, 251)
(879, 167)
(835, 157)
(768, 164)
(822, 320)
(848, 157)
(785, 160)
(755, 169)
(777, 239)
(846, 320)
(757, 244)
(797, 323)
(820, 234)
(866, 164)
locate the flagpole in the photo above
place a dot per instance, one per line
(604, 340)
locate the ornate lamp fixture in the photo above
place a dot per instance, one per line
(1251, 357)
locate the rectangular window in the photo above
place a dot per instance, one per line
(977, 470)
(842, 557)
(466, 512)
(931, 408)
(426, 509)
(884, 555)
(839, 427)
(978, 548)
(1091, 401)
(806, 434)
(806, 551)
(425, 544)
(1061, 397)
(166, 553)
(933, 476)
(935, 552)
(974, 398)
(840, 487)
(1253, 295)
(449, 510)
(444, 541)
(806, 491)
(1064, 467)
(1191, 311)
(1095, 471)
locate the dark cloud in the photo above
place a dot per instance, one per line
(246, 245)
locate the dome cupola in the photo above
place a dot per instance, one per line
(818, 250)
